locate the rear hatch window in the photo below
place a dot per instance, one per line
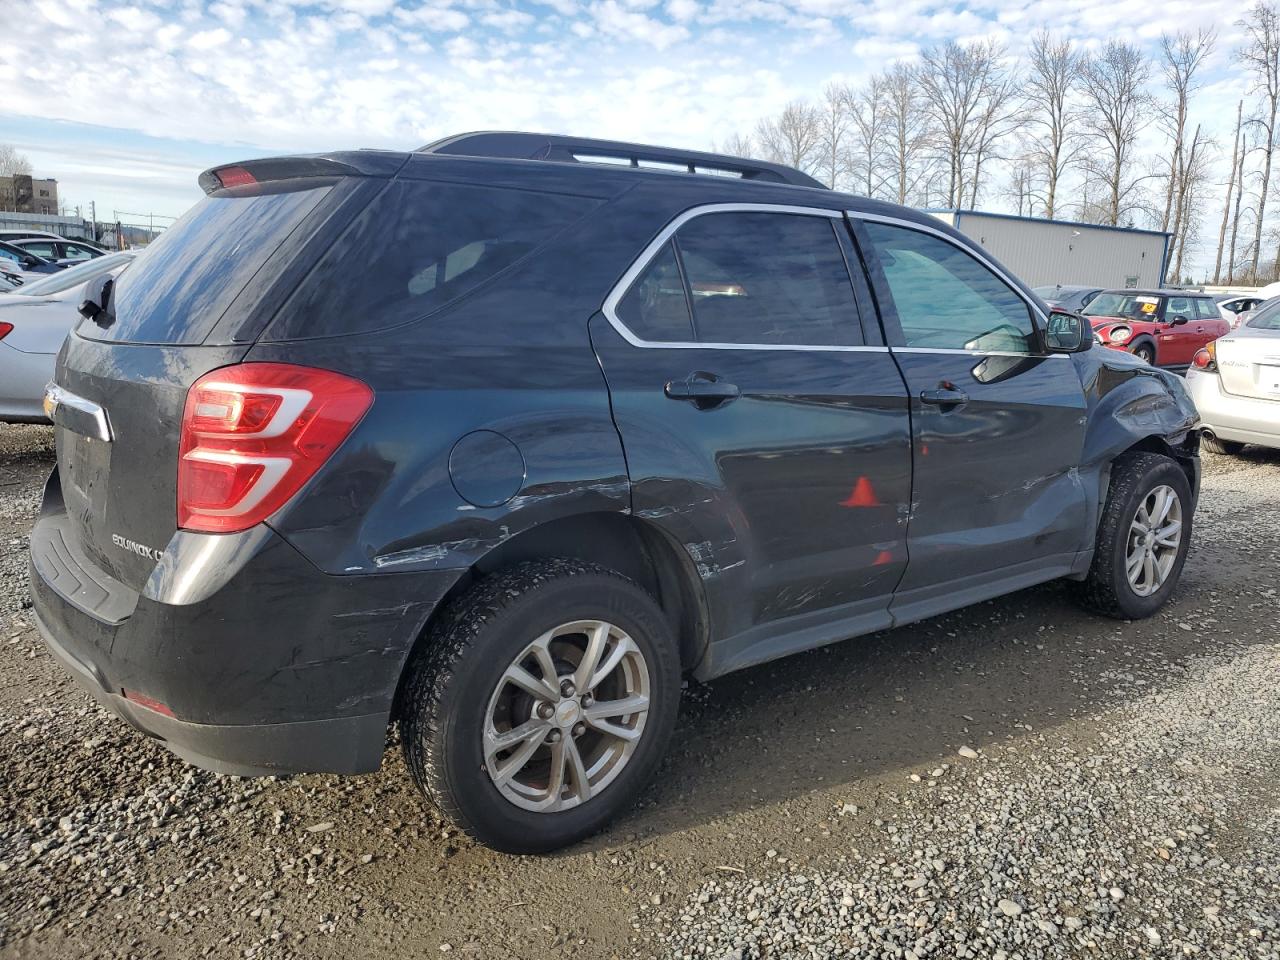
(179, 288)
(418, 246)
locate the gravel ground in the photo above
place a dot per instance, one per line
(1015, 780)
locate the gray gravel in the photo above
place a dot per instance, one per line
(1116, 796)
(1156, 838)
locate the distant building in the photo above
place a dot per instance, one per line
(1044, 252)
(22, 193)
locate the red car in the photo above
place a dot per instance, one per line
(1163, 327)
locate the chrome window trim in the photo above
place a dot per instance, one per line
(982, 259)
(641, 263)
(960, 351)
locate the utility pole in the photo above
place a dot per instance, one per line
(93, 216)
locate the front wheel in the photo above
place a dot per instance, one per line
(541, 704)
(1143, 538)
(1145, 352)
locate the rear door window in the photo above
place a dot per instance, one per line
(178, 289)
(418, 246)
(768, 278)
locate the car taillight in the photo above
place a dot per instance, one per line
(5, 328)
(1204, 357)
(253, 434)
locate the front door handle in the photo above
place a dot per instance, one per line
(946, 396)
(704, 390)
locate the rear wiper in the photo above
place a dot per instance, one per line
(97, 305)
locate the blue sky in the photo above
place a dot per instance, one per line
(124, 103)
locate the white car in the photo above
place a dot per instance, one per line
(1235, 383)
(1231, 307)
(34, 320)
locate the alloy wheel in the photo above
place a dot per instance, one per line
(1155, 534)
(566, 716)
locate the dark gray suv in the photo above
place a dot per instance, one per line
(498, 438)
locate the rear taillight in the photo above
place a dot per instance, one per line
(1205, 357)
(253, 434)
(5, 328)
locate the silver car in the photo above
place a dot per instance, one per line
(1235, 383)
(34, 320)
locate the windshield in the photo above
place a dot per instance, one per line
(1266, 316)
(1136, 306)
(64, 280)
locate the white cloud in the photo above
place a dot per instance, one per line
(208, 39)
(508, 20)
(135, 19)
(613, 19)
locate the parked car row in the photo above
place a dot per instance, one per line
(24, 252)
(1229, 346)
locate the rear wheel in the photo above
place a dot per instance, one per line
(1143, 538)
(541, 704)
(1217, 445)
(1146, 352)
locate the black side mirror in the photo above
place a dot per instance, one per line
(1177, 320)
(29, 262)
(1067, 333)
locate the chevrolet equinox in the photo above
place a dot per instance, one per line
(497, 439)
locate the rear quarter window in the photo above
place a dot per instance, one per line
(419, 246)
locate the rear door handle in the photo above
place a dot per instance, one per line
(704, 390)
(944, 397)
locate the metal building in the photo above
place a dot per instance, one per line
(1043, 252)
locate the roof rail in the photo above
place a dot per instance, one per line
(543, 146)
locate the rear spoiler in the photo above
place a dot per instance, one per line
(353, 163)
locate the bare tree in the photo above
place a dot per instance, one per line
(792, 137)
(12, 162)
(906, 133)
(1261, 54)
(1192, 176)
(834, 133)
(954, 82)
(1021, 188)
(1114, 85)
(1000, 115)
(736, 145)
(1053, 78)
(1182, 55)
(1226, 207)
(869, 116)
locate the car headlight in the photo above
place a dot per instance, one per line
(1119, 334)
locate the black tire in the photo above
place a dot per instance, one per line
(1214, 444)
(1106, 588)
(460, 664)
(1145, 351)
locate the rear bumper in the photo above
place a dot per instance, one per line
(340, 745)
(1229, 417)
(273, 667)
